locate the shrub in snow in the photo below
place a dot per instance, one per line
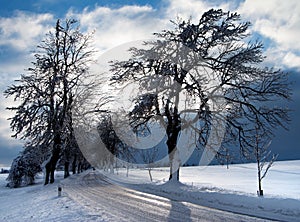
(24, 168)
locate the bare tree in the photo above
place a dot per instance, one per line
(207, 79)
(263, 157)
(149, 156)
(47, 92)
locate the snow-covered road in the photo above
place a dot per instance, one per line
(110, 202)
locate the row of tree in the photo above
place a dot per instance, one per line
(47, 93)
(205, 79)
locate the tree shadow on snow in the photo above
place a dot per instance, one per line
(179, 212)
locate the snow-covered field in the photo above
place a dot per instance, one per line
(232, 189)
(282, 180)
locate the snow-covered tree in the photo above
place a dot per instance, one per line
(25, 167)
(208, 79)
(48, 90)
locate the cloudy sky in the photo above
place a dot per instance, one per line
(23, 24)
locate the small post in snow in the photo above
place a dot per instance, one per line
(59, 189)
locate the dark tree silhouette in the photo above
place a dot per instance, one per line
(207, 78)
(47, 92)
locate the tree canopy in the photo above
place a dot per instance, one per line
(208, 79)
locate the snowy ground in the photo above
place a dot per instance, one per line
(37, 203)
(214, 186)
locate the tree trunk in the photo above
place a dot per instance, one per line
(173, 153)
(260, 192)
(258, 157)
(150, 175)
(174, 165)
(52, 172)
(111, 169)
(74, 164)
(173, 129)
(79, 167)
(48, 168)
(111, 164)
(51, 165)
(66, 169)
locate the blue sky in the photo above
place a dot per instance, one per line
(24, 23)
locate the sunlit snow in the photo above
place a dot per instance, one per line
(232, 189)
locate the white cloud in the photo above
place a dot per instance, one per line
(280, 22)
(278, 58)
(186, 9)
(292, 60)
(194, 8)
(22, 30)
(117, 26)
